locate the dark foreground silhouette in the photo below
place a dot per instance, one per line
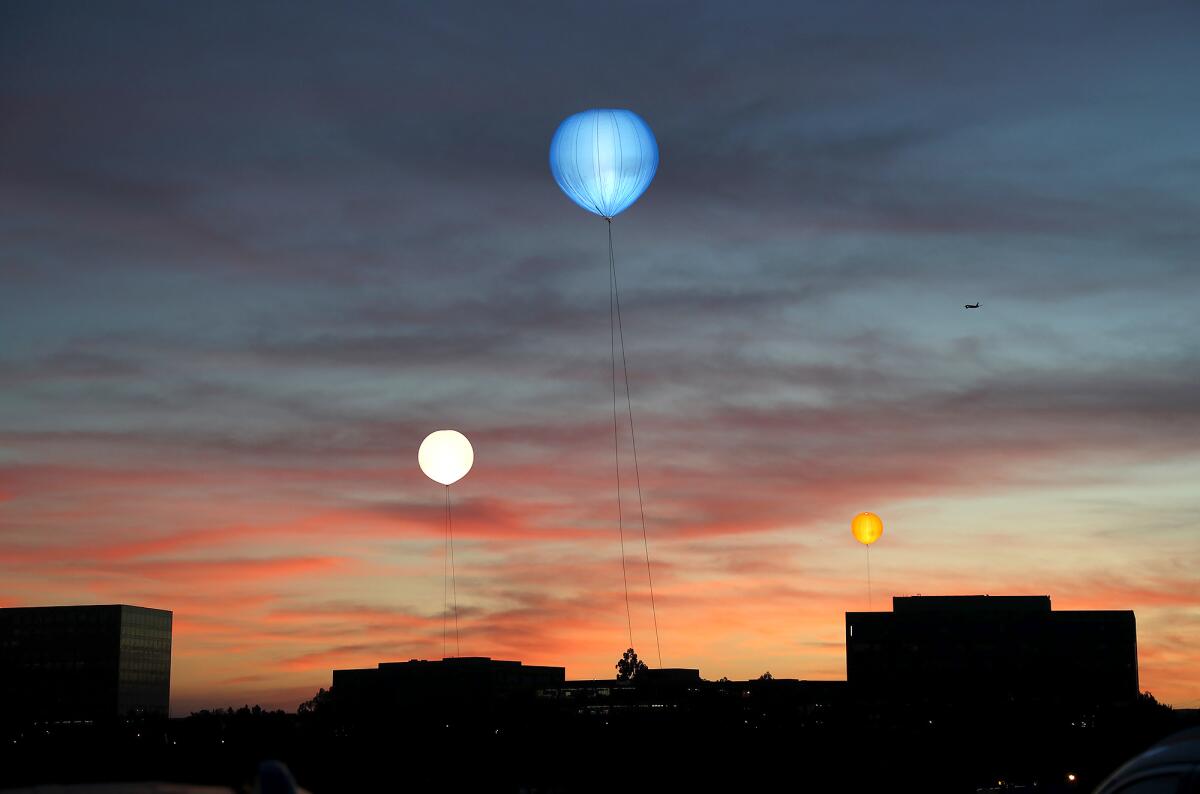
(943, 693)
(733, 741)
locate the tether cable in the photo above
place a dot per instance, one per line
(612, 334)
(445, 584)
(869, 607)
(453, 577)
(615, 303)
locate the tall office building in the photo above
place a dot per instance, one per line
(86, 663)
(960, 655)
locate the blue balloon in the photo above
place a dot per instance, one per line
(604, 159)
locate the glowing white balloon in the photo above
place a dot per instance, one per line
(445, 456)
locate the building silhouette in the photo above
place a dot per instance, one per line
(679, 697)
(84, 663)
(987, 657)
(459, 690)
(933, 661)
(489, 695)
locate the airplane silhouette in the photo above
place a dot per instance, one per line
(972, 305)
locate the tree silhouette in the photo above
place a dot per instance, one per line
(629, 666)
(320, 703)
(766, 676)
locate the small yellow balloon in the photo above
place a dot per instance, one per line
(867, 527)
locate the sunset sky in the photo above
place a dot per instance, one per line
(252, 253)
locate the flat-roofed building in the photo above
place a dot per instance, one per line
(465, 688)
(958, 655)
(499, 695)
(84, 663)
(680, 698)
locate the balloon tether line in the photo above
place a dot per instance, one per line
(612, 334)
(453, 581)
(445, 583)
(869, 607)
(616, 302)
